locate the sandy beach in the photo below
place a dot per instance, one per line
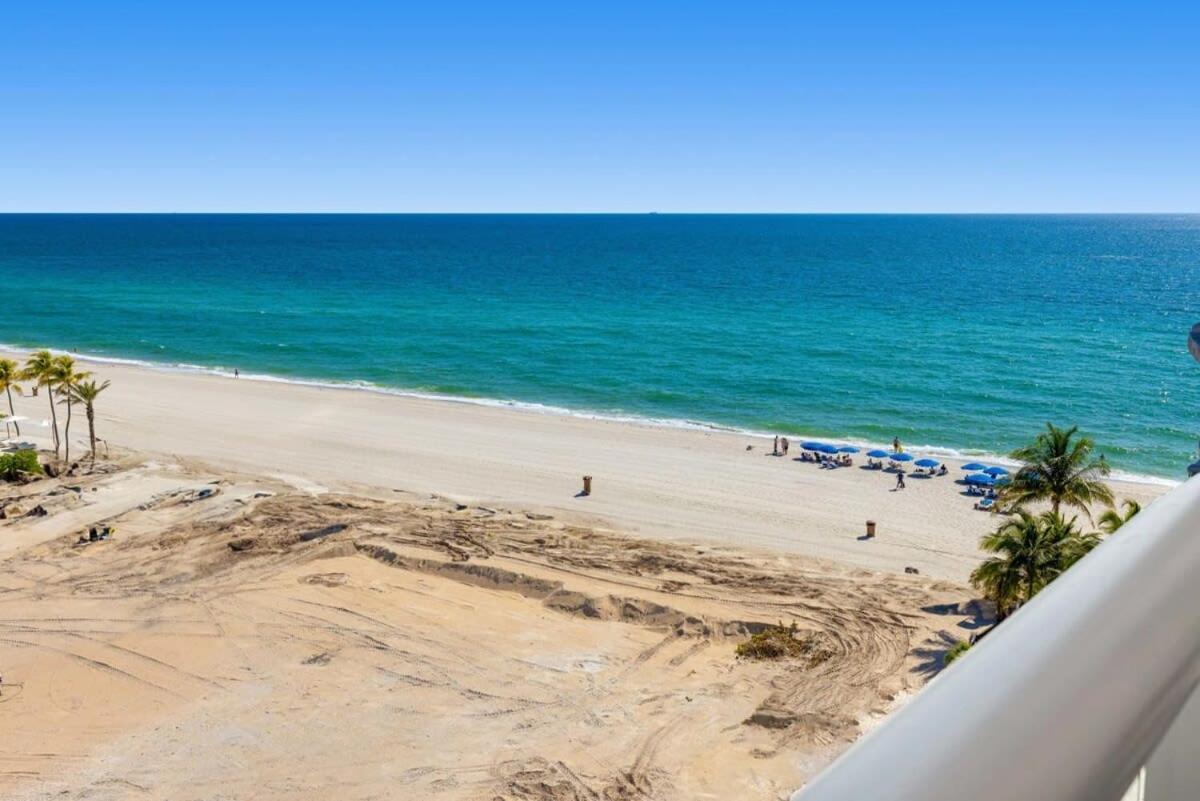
(316, 592)
(242, 637)
(673, 484)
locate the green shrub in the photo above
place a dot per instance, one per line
(21, 463)
(958, 649)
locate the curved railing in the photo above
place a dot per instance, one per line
(1070, 697)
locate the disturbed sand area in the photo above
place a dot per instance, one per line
(243, 638)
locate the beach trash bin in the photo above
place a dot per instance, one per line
(587, 485)
(870, 528)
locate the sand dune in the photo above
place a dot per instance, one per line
(242, 638)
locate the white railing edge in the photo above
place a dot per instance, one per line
(1067, 699)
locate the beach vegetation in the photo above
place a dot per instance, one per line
(86, 393)
(63, 376)
(784, 642)
(958, 649)
(10, 374)
(18, 465)
(1030, 552)
(1059, 467)
(39, 368)
(1113, 519)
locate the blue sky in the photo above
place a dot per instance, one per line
(613, 106)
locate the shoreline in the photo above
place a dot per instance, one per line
(685, 485)
(529, 407)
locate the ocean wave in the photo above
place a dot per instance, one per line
(943, 451)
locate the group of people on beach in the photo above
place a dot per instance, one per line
(828, 460)
(845, 460)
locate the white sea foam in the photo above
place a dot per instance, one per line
(945, 452)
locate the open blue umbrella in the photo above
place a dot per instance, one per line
(812, 445)
(980, 480)
(996, 471)
(901, 457)
(973, 466)
(878, 454)
(830, 449)
(927, 463)
(847, 449)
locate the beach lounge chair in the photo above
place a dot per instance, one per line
(986, 505)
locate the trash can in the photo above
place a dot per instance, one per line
(870, 528)
(587, 485)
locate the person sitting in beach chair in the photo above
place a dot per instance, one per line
(942, 470)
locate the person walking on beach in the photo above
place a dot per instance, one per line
(783, 442)
(775, 452)
(900, 480)
(236, 374)
(896, 445)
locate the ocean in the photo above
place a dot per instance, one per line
(958, 334)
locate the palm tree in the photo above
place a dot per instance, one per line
(39, 368)
(10, 374)
(1112, 520)
(63, 376)
(1033, 550)
(1058, 467)
(86, 392)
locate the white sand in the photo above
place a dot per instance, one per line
(659, 482)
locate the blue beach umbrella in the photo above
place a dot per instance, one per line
(980, 480)
(830, 449)
(973, 466)
(847, 449)
(996, 471)
(878, 454)
(812, 445)
(900, 457)
(927, 463)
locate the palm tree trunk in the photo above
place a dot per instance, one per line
(53, 418)
(91, 416)
(67, 433)
(11, 411)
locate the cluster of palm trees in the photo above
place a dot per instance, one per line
(1032, 549)
(64, 384)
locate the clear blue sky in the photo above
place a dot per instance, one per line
(604, 106)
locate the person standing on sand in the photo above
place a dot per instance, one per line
(900, 480)
(896, 448)
(236, 374)
(775, 452)
(783, 441)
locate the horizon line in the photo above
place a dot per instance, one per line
(616, 213)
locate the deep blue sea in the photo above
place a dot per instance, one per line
(961, 333)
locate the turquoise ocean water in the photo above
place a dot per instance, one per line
(962, 333)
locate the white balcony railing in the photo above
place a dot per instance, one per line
(1070, 698)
